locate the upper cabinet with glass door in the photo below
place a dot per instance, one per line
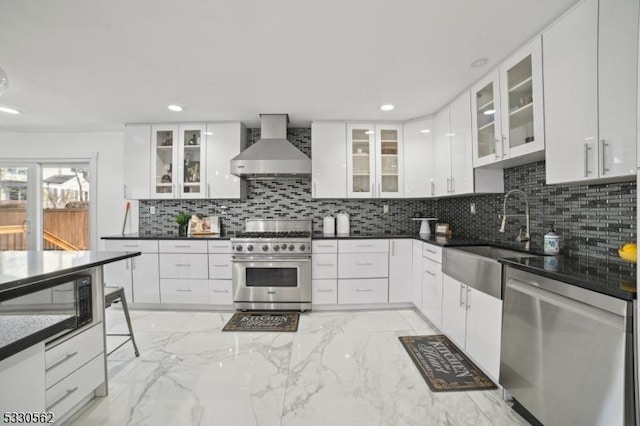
(360, 161)
(177, 163)
(508, 111)
(374, 163)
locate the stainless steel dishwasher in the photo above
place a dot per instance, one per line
(567, 352)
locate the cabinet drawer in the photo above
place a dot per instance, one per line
(184, 291)
(182, 246)
(68, 356)
(324, 266)
(220, 266)
(219, 246)
(220, 292)
(363, 246)
(65, 394)
(432, 252)
(145, 246)
(324, 246)
(365, 265)
(184, 266)
(363, 291)
(324, 292)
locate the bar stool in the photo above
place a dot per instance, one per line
(115, 295)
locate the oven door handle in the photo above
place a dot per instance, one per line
(270, 260)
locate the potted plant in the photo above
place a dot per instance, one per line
(183, 221)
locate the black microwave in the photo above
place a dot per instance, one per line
(69, 297)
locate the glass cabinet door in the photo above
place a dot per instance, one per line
(522, 123)
(361, 162)
(191, 157)
(389, 161)
(164, 159)
(487, 138)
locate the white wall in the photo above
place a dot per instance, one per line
(109, 149)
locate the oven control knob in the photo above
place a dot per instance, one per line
(238, 247)
(302, 247)
(283, 246)
(276, 248)
(265, 247)
(250, 247)
(291, 247)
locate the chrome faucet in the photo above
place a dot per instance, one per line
(526, 237)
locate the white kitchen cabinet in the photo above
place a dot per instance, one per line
(363, 265)
(329, 160)
(454, 311)
(220, 273)
(184, 272)
(454, 172)
(324, 272)
(416, 274)
(137, 161)
(400, 270)
(507, 111)
(374, 161)
(473, 321)
(139, 276)
(431, 302)
(66, 357)
(418, 147)
(184, 266)
(23, 379)
(184, 291)
(590, 94)
(484, 330)
(178, 161)
(223, 142)
(363, 291)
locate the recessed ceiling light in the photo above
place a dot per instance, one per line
(425, 131)
(4, 80)
(176, 108)
(9, 110)
(480, 62)
(387, 107)
(490, 112)
(449, 134)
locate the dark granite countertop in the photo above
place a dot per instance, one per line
(22, 268)
(18, 332)
(161, 236)
(610, 278)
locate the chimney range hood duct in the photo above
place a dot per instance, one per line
(273, 154)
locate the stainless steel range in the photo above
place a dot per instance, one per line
(272, 265)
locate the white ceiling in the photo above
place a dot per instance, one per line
(96, 64)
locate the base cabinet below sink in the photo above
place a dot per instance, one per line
(473, 321)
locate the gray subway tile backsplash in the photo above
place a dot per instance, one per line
(591, 219)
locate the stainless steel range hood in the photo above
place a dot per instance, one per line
(273, 154)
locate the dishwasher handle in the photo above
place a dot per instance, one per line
(562, 302)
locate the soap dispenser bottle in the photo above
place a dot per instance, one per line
(551, 242)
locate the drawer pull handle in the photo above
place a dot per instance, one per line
(326, 245)
(57, 363)
(182, 246)
(325, 291)
(130, 245)
(182, 264)
(62, 291)
(325, 264)
(222, 247)
(183, 290)
(363, 289)
(430, 273)
(65, 396)
(364, 245)
(364, 264)
(221, 291)
(222, 265)
(430, 251)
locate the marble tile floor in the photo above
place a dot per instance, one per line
(340, 368)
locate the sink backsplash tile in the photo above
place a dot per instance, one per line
(591, 219)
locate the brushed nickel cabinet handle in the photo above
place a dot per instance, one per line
(430, 273)
(66, 358)
(586, 159)
(461, 292)
(65, 396)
